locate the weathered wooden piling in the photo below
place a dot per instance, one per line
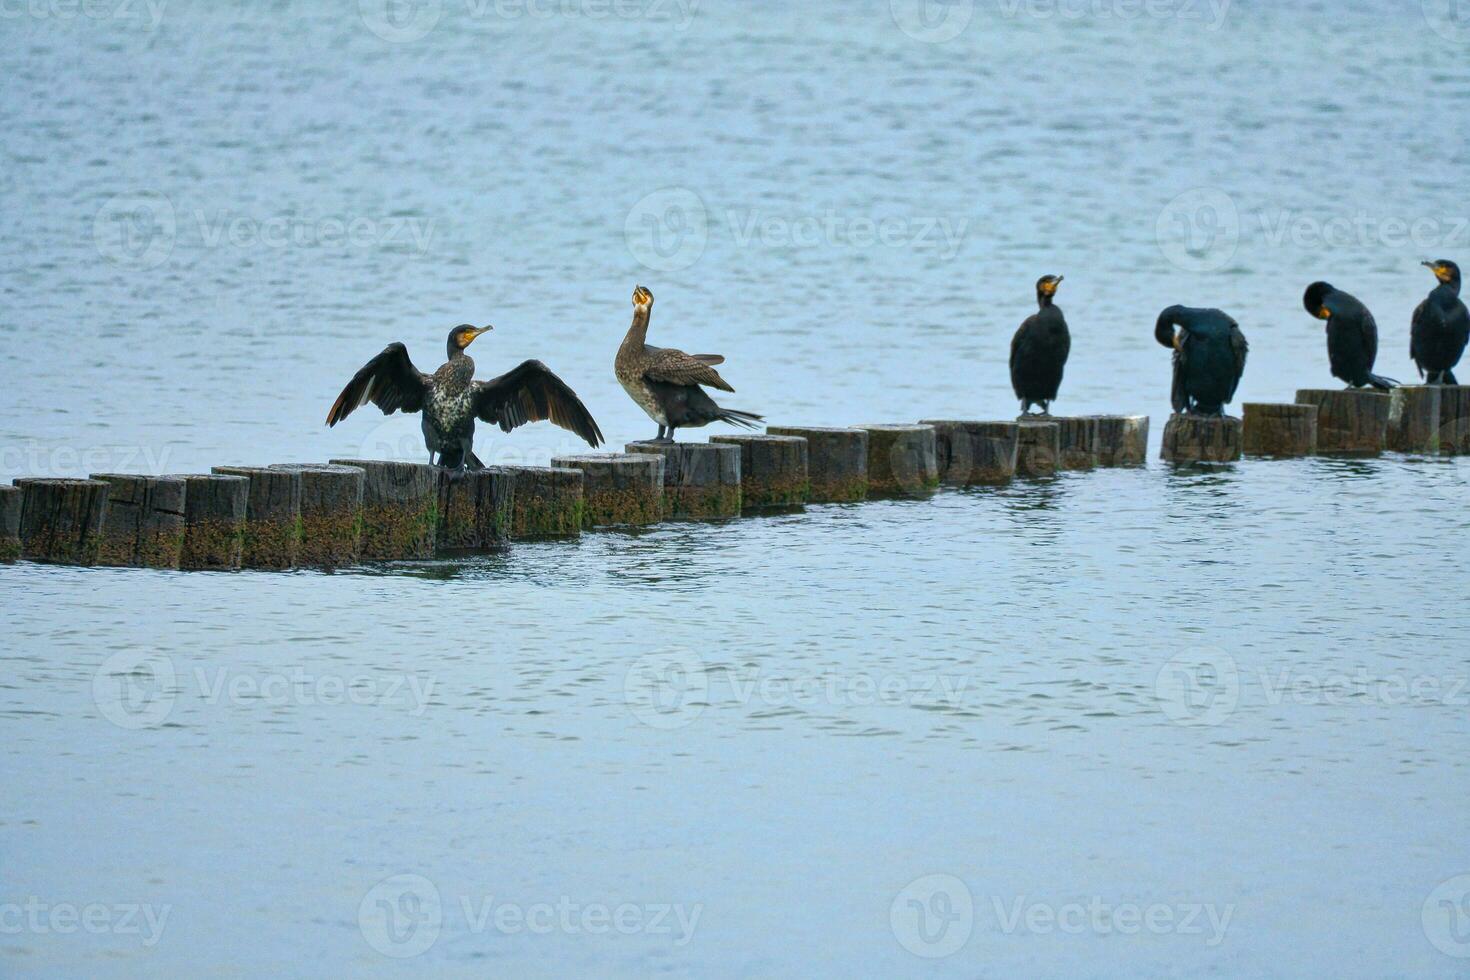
(215, 505)
(903, 460)
(1122, 440)
(145, 521)
(837, 461)
(1202, 439)
(547, 502)
(1278, 430)
(400, 508)
(272, 516)
(331, 513)
(1414, 421)
(774, 470)
(1077, 442)
(10, 499)
(1039, 447)
(475, 508)
(1454, 420)
(975, 453)
(1349, 420)
(701, 479)
(619, 488)
(61, 520)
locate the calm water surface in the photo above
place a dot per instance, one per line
(1123, 723)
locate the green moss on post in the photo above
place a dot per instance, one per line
(837, 461)
(547, 502)
(619, 488)
(61, 521)
(975, 453)
(10, 498)
(400, 508)
(331, 513)
(903, 460)
(701, 479)
(214, 521)
(475, 508)
(145, 521)
(272, 516)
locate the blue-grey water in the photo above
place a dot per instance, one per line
(1131, 723)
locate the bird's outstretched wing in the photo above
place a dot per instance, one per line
(676, 367)
(531, 393)
(389, 381)
(1239, 348)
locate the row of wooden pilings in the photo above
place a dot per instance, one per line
(350, 510)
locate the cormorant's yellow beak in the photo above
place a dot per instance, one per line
(1324, 314)
(470, 339)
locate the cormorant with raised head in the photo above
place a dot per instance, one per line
(665, 382)
(1209, 357)
(1039, 350)
(1441, 327)
(451, 399)
(1352, 335)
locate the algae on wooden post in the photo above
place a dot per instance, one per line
(701, 479)
(619, 488)
(145, 521)
(837, 461)
(61, 520)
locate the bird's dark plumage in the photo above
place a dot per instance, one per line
(1209, 357)
(1039, 350)
(451, 399)
(1441, 327)
(1352, 335)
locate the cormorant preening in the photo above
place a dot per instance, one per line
(1209, 357)
(1039, 350)
(1352, 335)
(1441, 327)
(666, 383)
(451, 399)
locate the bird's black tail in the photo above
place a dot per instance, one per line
(746, 420)
(1382, 383)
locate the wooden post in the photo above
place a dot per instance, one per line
(1122, 440)
(61, 520)
(619, 488)
(400, 508)
(1279, 430)
(903, 460)
(10, 498)
(272, 516)
(214, 521)
(1077, 439)
(145, 521)
(475, 508)
(1039, 451)
(1349, 420)
(331, 513)
(975, 453)
(1454, 420)
(837, 461)
(1202, 439)
(1414, 419)
(701, 479)
(774, 470)
(547, 502)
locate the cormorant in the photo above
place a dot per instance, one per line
(1039, 350)
(1352, 335)
(451, 399)
(1209, 357)
(666, 383)
(1441, 327)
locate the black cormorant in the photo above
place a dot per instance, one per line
(1441, 327)
(1209, 357)
(1352, 335)
(666, 383)
(451, 399)
(1039, 350)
